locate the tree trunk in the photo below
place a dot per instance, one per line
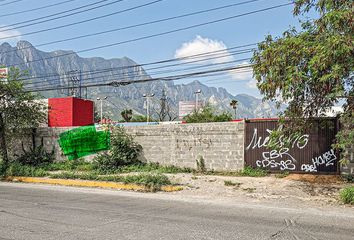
(3, 148)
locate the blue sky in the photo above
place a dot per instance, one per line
(235, 32)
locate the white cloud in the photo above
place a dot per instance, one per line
(8, 33)
(201, 45)
(242, 73)
(252, 83)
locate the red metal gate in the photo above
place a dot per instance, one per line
(307, 153)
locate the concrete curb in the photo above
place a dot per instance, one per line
(87, 183)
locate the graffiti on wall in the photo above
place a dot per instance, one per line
(286, 156)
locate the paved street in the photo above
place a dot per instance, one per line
(51, 212)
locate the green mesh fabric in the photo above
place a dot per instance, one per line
(83, 141)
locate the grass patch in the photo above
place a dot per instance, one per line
(152, 182)
(282, 174)
(253, 172)
(231, 184)
(19, 170)
(347, 195)
(149, 167)
(69, 165)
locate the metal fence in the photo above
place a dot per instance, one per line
(310, 152)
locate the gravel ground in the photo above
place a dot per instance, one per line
(293, 189)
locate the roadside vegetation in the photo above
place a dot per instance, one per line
(347, 195)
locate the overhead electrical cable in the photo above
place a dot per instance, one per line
(158, 34)
(94, 79)
(83, 21)
(15, 1)
(126, 82)
(36, 9)
(214, 57)
(188, 57)
(135, 25)
(59, 17)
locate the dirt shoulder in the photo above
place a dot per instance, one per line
(291, 190)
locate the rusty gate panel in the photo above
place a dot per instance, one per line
(307, 153)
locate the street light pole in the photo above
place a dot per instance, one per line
(147, 105)
(99, 99)
(196, 98)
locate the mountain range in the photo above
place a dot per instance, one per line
(52, 72)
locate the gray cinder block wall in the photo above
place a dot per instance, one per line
(348, 169)
(221, 145)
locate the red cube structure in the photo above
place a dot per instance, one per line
(70, 112)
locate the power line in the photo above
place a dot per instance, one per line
(59, 13)
(35, 9)
(161, 34)
(193, 56)
(83, 21)
(138, 25)
(168, 78)
(15, 1)
(91, 80)
(206, 57)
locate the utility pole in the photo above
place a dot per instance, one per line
(147, 97)
(74, 82)
(100, 99)
(163, 105)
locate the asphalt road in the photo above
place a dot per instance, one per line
(51, 212)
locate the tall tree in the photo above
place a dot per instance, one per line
(233, 104)
(311, 69)
(127, 114)
(18, 111)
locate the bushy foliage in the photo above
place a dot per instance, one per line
(36, 156)
(127, 114)
(253, 172)
(311, 69)
(124, 151)
(347, 195)
(18, 110)
(207, 114)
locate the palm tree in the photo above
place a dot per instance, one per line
(127, 114)
(233, 104)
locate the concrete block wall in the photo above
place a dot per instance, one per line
(221, 145)
(349, 168)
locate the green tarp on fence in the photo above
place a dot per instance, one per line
(83, 141)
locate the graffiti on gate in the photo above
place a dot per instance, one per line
(328, 158)
(283, 158)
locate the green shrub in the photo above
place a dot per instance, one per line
(19, 170)
(124, 151)
(347, 195)
(36, 156)
(207, 114)
(253, 172)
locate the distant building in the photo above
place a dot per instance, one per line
(187, 107)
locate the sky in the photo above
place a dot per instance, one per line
(219, 36)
